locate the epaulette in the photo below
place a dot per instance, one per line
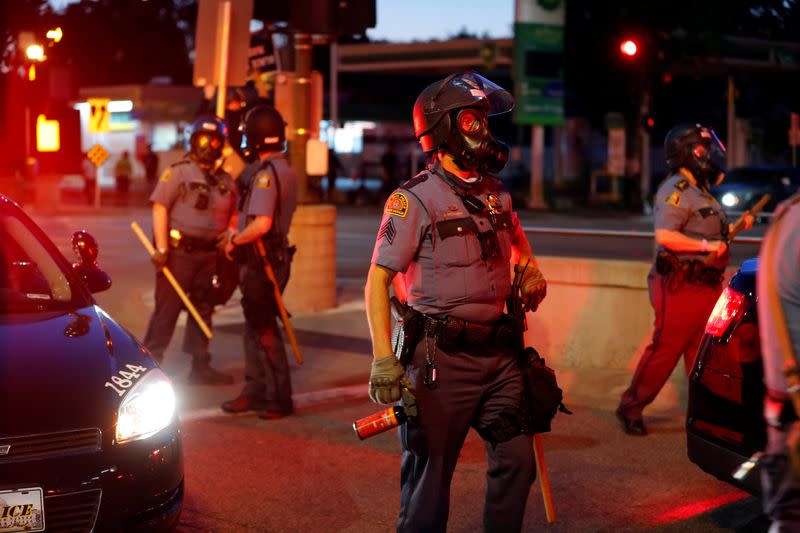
(682, 185)
(416, 180)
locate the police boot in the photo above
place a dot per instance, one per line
(203, 374)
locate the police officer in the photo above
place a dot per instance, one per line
(683, 286)
(451, 232)
(267, 204)
(778, 289)
(194, 205)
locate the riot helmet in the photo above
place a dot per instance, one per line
(452, 114)
(207, 140)
(699, 150)
(264, 130)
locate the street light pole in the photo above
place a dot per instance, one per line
(301, 104)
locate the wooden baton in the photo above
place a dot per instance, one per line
(175, 285)
(262, 252)
(544, 479)
(738, 226)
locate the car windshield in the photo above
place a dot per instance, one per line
(32, 277)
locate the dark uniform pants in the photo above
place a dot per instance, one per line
(681, 314)
(781, 497)
(194, 272)
(472, 391)
(266, 369)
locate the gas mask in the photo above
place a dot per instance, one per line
(471, 143)
(206, 148)
(707, 159)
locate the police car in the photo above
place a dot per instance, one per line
(724, 420)
(89, 437)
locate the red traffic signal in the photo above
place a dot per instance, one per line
(629, 48)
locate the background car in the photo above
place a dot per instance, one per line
(89, 437)
(724, 421)
(744, 186)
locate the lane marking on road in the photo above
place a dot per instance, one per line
(303, 399)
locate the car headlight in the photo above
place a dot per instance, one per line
(729, 199)
(147, 408)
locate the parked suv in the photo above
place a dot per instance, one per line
(724, 420)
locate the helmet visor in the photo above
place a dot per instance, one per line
(470, 88)
(500, 100)
(711, 148)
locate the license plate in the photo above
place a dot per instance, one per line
(21, 510)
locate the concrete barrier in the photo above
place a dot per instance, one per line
(597, 313)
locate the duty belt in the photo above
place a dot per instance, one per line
(190, 244)
(453, 333)
(689, 270)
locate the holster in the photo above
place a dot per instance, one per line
(408, 330)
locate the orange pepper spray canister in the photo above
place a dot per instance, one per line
(387, 419)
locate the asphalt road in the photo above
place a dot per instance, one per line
(309, 472)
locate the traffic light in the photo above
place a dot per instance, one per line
(629, 48)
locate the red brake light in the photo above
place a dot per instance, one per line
(731, 305)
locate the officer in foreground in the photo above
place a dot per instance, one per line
(778, 289)
(451, 232)
(194, 205)
(689, 226)
(268, 199)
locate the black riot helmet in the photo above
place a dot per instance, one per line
(264, 130)
(452, 114)
(699, 150)
(207, 140)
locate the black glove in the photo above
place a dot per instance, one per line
(159, 259)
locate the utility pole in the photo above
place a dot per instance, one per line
(301, 113)
(731, 141)
(536, 200)
(644, 140)
(224, 45)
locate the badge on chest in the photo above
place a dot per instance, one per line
(494, 203)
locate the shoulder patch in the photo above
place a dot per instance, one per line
(165, 175)
(397, 204)
(674, 198)
(263, 180)
(682, 185)
(413, 182)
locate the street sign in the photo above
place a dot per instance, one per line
(97, 155)
(539, 62)
(99, 115)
